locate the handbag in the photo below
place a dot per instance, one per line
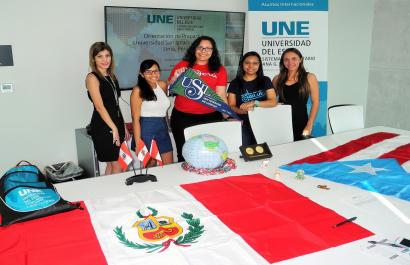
(63, 171)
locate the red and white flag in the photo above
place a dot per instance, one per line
(125, 157)
(142, 152)
(154, 152)
(241, 220)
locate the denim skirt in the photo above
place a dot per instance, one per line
(154, 128)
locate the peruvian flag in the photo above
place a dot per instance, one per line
(142, 152)
(239, 220)
(154, 152)
(125, 157)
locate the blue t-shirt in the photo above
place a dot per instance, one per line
(249, 92)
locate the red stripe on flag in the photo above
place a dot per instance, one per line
(142, 152)
(401, 154)
(274, 220)
(346, 149)
(63, 239)
(125, 157)
(154, 152)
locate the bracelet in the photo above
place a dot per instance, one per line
(257, 103)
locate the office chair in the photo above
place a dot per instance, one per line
(272, 125)
(229, 131)
(345, 117)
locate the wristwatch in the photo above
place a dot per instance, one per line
(257, 103)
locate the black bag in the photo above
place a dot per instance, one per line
(26, 194)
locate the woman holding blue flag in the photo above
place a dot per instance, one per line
(250, 89)
(203, 57)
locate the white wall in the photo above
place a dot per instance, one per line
(389, 80)
(350, 29)
(50, 40)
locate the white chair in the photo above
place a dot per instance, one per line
(229, 131)
(345, 117)
(272, 125)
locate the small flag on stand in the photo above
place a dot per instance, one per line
(154, 152)
(125, 157)
(142, 152)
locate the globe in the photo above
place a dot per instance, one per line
(205, 151)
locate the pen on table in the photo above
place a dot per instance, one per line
(386, 244)
(345, 221)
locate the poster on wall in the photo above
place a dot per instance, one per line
(276, 25)
(137, 33)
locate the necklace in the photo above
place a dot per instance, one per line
(114, 90)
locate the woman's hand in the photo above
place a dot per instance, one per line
(307, 131)
(247, 106)
(115, 137)
(177, 73)
(127, 133)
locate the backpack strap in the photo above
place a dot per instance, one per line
(24, 161)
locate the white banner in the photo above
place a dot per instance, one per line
(276, 25)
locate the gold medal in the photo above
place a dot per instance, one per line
(249, 151)
(259, 149)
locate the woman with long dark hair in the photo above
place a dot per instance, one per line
(250, 89)
(203, 57)
(107, 128)
(295, 85)
(149, 105)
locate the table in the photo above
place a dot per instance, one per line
(385, 216)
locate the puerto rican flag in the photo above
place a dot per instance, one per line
(240, 220)
(125, 157)
(378, 162)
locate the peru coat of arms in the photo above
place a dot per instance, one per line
(158, 232)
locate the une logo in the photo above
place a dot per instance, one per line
(24, 192)
(280, 28)
(162, 19)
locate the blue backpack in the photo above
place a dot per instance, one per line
(26, 194)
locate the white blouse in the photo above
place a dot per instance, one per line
(156, 108)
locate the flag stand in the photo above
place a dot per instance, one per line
(140, 178)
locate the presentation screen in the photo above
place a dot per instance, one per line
(136, 34)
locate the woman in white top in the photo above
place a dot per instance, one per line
(149, 105)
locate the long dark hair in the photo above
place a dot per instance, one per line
(146, 91)
(304, 88)
(240, 73)
(94, 50)
(214, 62)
